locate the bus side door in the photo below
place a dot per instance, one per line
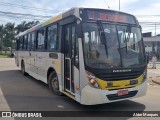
(71, 72)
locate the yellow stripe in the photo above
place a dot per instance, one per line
(67, 94)
(58, 66)
(58, 17)
(117, 84)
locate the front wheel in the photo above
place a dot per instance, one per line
(54, 84)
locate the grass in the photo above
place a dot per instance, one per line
(3, 55)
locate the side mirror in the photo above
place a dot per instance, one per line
(140, 27)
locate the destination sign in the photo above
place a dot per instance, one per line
(108, 15)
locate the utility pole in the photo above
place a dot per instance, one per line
(1, 38)
(155, 29)
(119, 5)
(1, 44)
(107, 4)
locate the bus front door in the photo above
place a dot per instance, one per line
(69, 39)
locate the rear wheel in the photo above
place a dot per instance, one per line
(23, 69)
(53, 83)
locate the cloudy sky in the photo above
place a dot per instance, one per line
(145, 10)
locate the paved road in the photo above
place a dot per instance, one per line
(19, 93)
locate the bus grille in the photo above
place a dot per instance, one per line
(116, 97)
(119, 76)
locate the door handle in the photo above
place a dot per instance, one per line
(68, 59)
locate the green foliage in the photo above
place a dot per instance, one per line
(3, 55)
(9, 31)
(9, 34)
(24, 26)
(1, 36)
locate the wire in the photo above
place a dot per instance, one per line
(107, 4)
(20, 14)
(22, 18)
(28, 7)
(149, 16)
(149, 22)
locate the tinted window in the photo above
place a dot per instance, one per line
(32, 41)
(25, 42)
(52, 37)
(29, 42)
(17, 44)
(76, 51)
(21, 43)
(40, 38)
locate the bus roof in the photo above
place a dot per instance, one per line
(72, 11)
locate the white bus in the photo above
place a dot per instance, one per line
(94, 56)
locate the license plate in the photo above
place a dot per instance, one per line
(122, 92)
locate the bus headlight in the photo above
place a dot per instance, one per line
(92, 80)
(144, 76)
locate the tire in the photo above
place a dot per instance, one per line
(54, 84)
(23, 69)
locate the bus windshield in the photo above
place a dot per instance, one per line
(112, 46)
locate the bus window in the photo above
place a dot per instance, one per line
(29, 42)
(18, 44)
(40, 38)
(76, 54)
(75, 49)
(25, 42)
(52, 37)
(32, 41)
(21, 43)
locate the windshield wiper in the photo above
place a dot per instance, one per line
(134, 65)
(128, 36)
(102, 36)
(129, 32)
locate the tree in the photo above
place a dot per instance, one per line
(1, 37)
(9, 31)
(24, 26)
(21, 27)
(9, 34)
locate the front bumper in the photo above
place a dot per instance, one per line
(92, 96)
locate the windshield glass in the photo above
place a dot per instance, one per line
(110, 46)
(131, 46)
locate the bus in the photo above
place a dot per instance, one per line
(91, 55)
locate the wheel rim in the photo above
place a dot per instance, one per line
(55, 83)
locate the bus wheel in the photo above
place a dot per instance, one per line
(23, 69)
(54, 84)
